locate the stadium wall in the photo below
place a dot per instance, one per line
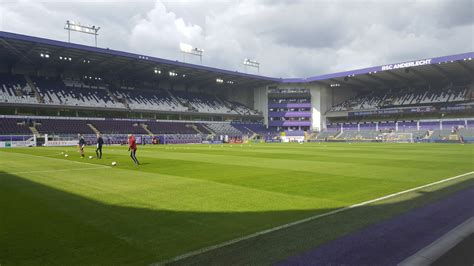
(320, 94)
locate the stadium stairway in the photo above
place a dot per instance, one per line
(226, 104)
(35, 90)
(34, 131)
(96, 131)
(177, 99)
(250, 130)
(312, 136)
(209, 131)
(254, 135)
(145, 127)
(195, 128)
(116, 99)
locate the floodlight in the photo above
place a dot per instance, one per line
(251, 63)
(189, 49)
(88, 29)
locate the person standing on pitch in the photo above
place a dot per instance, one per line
(100, 142)
(132, 147)
(81, 145)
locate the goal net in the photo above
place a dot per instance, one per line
(397, 137)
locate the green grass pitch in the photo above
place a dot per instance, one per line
(58, 210)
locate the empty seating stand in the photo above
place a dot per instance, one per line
(14, 126)
(119, 126)
(62, 126)
(70, 92)
(15, 90)
(402, 97)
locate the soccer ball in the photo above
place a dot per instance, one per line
(65, 155)
(90, 157)
(114, 163)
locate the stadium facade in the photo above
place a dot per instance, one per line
(42, 78)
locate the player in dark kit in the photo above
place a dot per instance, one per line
(81, 144)
(132, 147)
(100, 143)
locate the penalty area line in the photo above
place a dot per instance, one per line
(236, 240)
(60, 159)
(58, 170)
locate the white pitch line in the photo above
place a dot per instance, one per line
(64, 160)
(51, 155)
(57, 170)
(236, 240)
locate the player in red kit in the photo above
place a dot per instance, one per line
(132, 147)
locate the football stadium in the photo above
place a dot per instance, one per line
(199, 165)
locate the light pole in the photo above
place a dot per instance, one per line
(189, 49)
(251, 63)
(76, 26)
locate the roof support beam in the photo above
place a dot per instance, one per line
(400, 77)
(12, 48)
(465, 67)
(364, 83)
(420, 75)
(344, 83)
(442, 71)
(379, 79)
(105, 61)
(25, 55)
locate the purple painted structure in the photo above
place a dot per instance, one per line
(13, 126)
(15, 138)
(289, 105)
(333, 127)
(290, 114)
(407, 126)
(350, 127)
(429, 125)
(449, 124)
(387, 126)
(371, 126)
(391, 241)
(289, 123)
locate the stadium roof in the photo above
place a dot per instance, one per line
(22, 49)
(458, 67)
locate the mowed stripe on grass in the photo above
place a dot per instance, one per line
(187, 197)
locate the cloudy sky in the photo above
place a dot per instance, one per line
(291, 38)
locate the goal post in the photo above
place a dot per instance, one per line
(397, 137)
